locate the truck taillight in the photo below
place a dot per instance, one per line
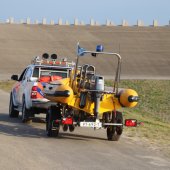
(131, 122)
(34, 92)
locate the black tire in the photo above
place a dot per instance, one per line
(52, 130)
(12, 112)
(119, 119)
(114, 132)
(71, 128)
(25, 113)
(65, 128)
(106, 117)
(111, 134)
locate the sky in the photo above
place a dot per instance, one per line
(84, 10)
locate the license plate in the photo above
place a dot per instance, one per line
(91, 124)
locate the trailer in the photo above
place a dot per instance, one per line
(82, 99)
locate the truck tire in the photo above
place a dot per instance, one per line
(114, 132)
(25, 113)
(12, 112)
(52, 128)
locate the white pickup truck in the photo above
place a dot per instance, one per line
(27, 93)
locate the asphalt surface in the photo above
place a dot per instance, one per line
(26, 147)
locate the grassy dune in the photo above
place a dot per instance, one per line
(154, 98)
(153, 110)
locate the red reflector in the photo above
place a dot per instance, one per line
(34, 88)
(67, 121)
(34, 92)
(131, 122)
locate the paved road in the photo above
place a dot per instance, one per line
(26, 147)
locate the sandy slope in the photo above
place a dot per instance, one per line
(145, 51)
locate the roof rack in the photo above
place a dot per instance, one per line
(50, 61)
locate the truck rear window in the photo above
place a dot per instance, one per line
(43, 71)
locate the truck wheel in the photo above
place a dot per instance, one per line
(52, 128)
(114, 132)
(12, 111)
(25, 113)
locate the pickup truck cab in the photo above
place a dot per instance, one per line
(27, 93)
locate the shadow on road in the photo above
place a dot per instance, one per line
(14, 127)
(78, 137)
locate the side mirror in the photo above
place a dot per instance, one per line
(14, 77)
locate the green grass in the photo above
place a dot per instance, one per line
(6, 85)
(154, 97)
(153, 110)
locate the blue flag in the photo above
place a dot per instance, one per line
(80, 51)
